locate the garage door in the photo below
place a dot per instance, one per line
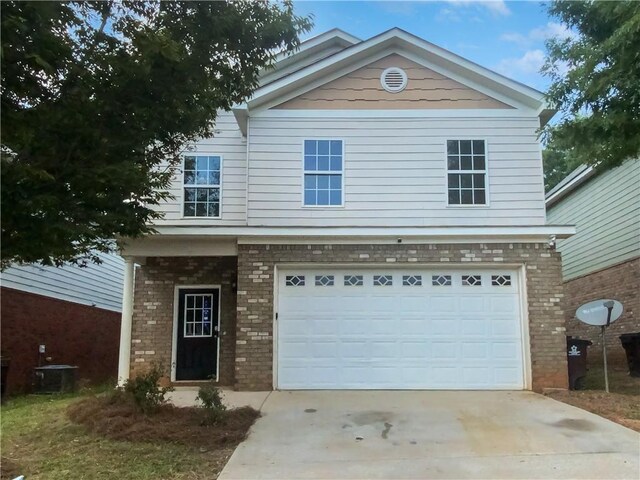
(354, 328)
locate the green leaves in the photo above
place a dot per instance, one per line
(596, 82)
(99, 100)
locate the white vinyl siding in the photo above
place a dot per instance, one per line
(395, 171)
(229, 144)
(606, 213)
(95, 285)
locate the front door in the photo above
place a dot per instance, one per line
(198, 328)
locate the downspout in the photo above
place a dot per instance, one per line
(124, 359)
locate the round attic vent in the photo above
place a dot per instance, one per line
(393, 79)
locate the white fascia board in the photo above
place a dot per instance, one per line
(398, 38)
(309, 52)
(319, 40)
(570, 185)
(476, 233)
(464, 79)
(473, 71)
(241, 115)
(462, 113)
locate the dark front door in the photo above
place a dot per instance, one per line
(198, 327)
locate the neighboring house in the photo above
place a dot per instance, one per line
(373, 217)
(603, 259)
(73, 311)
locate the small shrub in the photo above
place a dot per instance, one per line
(211, 398)
(146, 393)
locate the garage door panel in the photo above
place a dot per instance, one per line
(503, 303)
(504, 350)
(474, 327)
(475, 351)
(444, 350)
(411, 334)
(504, 327)
(443, 327)
(441, 304)
(472, 304)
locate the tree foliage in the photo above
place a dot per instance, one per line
(596, 81)
(557, 165)
(98, 101)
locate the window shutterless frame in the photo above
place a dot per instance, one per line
(183, 186)
(330, 172)
(486, 173)
(197, 322)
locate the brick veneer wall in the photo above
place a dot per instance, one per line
(153, 310)
(620, 282)
(254, 337)
(73, 334)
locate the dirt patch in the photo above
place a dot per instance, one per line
(8, 469)
(620, 408)
(120, 420)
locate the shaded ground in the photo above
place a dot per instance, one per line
(40, 441)
(622, 405)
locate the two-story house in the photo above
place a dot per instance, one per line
(372, 218)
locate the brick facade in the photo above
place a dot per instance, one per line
(254, 337)
(153, 309)
(73, 334)
(620, 282)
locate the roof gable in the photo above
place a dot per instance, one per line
(310, 51)
(398, 41)
(362, 89)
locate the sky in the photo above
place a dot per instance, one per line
(505, 36)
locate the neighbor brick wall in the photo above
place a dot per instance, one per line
(73, 334)
(153, 310)
(254, 337)
(620, 282)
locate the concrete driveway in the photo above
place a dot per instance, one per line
(402, 435)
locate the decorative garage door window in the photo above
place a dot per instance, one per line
(441, 280)
(197, 315)
(294, 281)
(353, 280)
(382, 280)
(471, 280)
(324, 280)
(323, 173)
(501, 280)
(412, 280)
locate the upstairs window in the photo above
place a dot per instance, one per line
(323, 164)
(467, 172)
(202, 186)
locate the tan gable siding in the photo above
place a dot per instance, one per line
(361, 89)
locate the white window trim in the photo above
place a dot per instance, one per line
(486, 173)
(174, 342)
(331, 172)
(182, 196)
(184, 323)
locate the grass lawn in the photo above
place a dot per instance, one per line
(622, 405)
(40, 442)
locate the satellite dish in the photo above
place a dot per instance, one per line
(596, 312)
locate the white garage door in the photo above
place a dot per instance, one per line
(355, 328)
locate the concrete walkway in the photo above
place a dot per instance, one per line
(418, 435)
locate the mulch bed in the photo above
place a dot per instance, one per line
(119, 419)
(620, 408)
